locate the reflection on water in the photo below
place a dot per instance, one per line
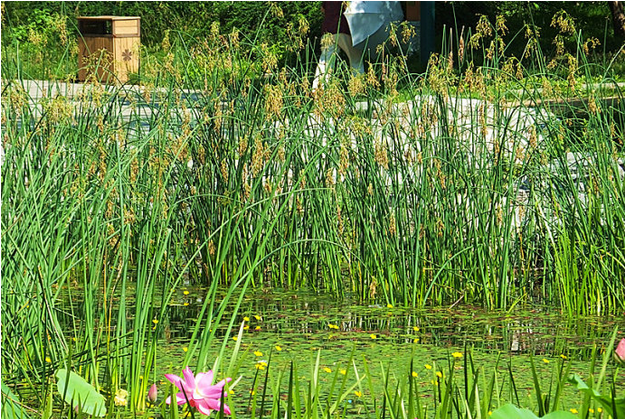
(293, 316)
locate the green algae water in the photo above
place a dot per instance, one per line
(328, 338)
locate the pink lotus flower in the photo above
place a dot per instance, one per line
(153, 393)
(199, 391)
(620, 351)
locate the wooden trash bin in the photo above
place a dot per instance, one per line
(119, 36)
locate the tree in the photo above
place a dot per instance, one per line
(618, 18)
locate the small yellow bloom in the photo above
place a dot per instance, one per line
(246, 319)
(428, 367)
(48, 359)
(599, 410)
(326, 369)
(261, 365)
(457, 355)
(257, 328)
(573, 411)
(416, 328)
(278, 348)
(490, 412)
(257, 317)
(372, 336)
(358, 393)
(185, 292)
(545, 360)
(343, 371)
(120, 397)
(414, 374)
(562, 356)
(332, 326)
(185, 304)
(415, 340)
(155, 321)
(185, 349)
(439, 374)
(591, 410)
(246, 327)
(258, 353)
(235, 338)
(389, 306)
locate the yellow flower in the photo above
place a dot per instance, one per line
(326, 369)
(545, 360)
(261, 365)
(415, 328)
(120, 397)
(185, 304)
(343, 371)
(258, 353)
(185, 292)
(372, 336)
(155, 321)
(562, 356)
(185, 349)
(278, 348)
(573, 411)
(246, 327)
(332, 326)
(457, 355)
(428, 367)
(257, 328)
(490, 412)
(591, 410)
(246, 319)
(439, 374)
(414, 374)
(48, 359)
(415, 340)
(599, 410)
(389, 306)
(234, 338)
(358, 393)
(257, 317)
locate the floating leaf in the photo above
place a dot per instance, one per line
(510, 411)
(78, 392)
(11, 408)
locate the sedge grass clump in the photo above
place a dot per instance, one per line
(477, 190)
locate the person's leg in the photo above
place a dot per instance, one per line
(326, 61)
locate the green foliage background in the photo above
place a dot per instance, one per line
(195, 18)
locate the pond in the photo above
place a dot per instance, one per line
(299, 326)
